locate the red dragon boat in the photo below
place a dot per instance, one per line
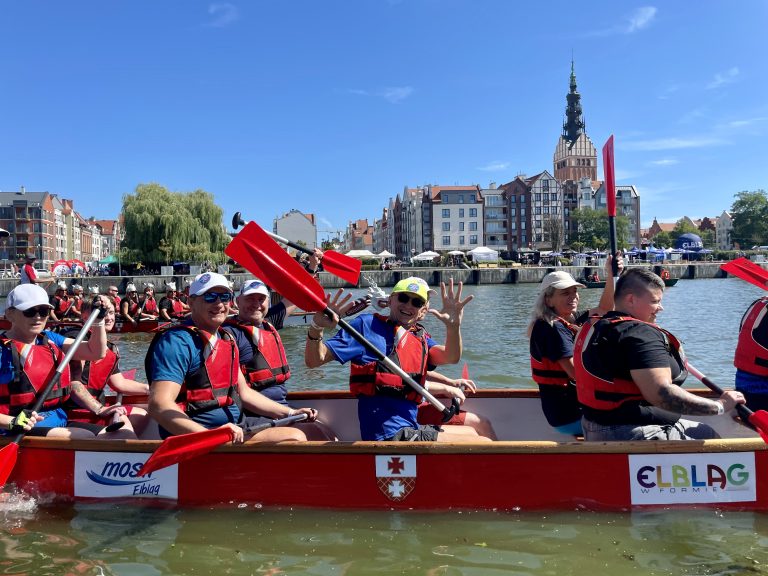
(121, 327)
(530, 467)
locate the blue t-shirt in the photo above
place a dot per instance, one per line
(175, 355)
(380, 417)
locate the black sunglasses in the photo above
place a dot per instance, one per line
(211, 297)
(41, 311)
(417, 302)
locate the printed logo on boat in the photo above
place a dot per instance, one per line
(692, 478)
(113, 475)
(396, 476)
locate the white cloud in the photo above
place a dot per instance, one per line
(746, 122)
(396, 94)
(327, 224)
(723, 78)
(673, 143)
(494, 166)
(641, 18)
(223, 14)
(359, 92)
(664, 162)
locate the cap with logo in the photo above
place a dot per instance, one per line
(254, 287)
(414, 285)
(205, 282)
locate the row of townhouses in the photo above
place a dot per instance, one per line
(49, 227)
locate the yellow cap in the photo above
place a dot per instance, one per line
(414, 285)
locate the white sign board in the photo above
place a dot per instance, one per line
(113, 475)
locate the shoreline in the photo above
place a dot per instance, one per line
(388, 278)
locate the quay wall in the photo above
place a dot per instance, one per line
(387, 278)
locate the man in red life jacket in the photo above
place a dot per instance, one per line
(751, 359)
(171, 306)
(77, 302)
(60, 302)
(194, 373)
(629, 371)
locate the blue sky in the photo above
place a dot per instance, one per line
(333, 107)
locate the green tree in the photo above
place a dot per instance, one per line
(662, 239)
(592, 226)
(750, 218)
(161, 226)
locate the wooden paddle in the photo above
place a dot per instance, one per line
(183, 447)
(610, 200)
(9, 453)
(341, 265)
(757, 419)
(254, 250)
(748, 271)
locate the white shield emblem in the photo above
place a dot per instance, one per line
(396, 476)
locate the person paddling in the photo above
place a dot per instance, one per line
(751, 357)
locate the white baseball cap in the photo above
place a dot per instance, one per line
(254, 287)
(205, 282)
(559, 280)
(26, 296)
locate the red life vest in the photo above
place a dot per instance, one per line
(752, 349)
(133, 307)
(665, 274)
(601, 394)
(409, 351)
(178, 307)
(268, 364)
(214, 383)
(61, 305)
(549, 372)
(150, 305)
(96, 373)
(33, 367)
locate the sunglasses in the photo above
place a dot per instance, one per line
(211, 297)
(417, 302)
(41, 311)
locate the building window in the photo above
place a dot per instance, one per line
(472, 199)
(446, 226)
(473, 239)
(513, 211)
(545, 185)
(514, 225)
(512, 199)
(461, 226)
(461, 212)
(537, 197)
(537, 210)
(473, 212)
(522, 225)
(461, 198)
(461, 240)
(473, 226)
(446, 212)
(446, 240)
(522, 211)
(546, 209)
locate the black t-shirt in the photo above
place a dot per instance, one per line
(627, 346)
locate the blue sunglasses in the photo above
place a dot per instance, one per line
(211, 297)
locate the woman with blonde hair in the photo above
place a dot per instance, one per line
(552, 331)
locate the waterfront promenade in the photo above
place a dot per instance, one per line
(385, 278)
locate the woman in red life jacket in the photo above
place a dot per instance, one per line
(60, 302)
(552, 331)
(95, 375)
(751, 358)
(629, 372)
(130, 307)
(171, 307)
(30, 356)
(149, 308)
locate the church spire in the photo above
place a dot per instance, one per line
(573, 126)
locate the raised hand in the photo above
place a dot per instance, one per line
(453, 306)
(339, 303)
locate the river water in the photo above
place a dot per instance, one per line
(99, 539)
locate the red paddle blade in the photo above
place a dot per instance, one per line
(465, 372)
(265, 258)
(759, 419)
(345, 267)
(8, 457)
(610, 181)
(747, 271)
(184, 447)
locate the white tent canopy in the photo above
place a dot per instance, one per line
(428, 255)
(483, 254)
(385, 254)
(455, 253)
(361, 254)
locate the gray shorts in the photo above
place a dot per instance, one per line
(680, 430)
(424, 433)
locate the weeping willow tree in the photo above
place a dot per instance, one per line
(163, 226)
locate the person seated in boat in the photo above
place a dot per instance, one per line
(92, 377)
(751, 357)
(170, 306)
(75, 310)
(554, 323)
(629, 371)
(595, 277)
(60, 302)
(112, 292)
(263, 360)
(149, 308)
(29, 356)
(195, 377)
(130, 307)
(387, 407)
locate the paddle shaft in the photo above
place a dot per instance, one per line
(287, 421)
(447, 412)
(743, 411)
(59, 371)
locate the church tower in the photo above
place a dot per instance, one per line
(575, 156)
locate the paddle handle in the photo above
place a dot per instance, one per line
(448, 412)
(116, 423)
(287, 242)
(744, 412)
(614, 249)
(288, 420)
(60, 370)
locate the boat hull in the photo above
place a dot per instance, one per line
(557, 473)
